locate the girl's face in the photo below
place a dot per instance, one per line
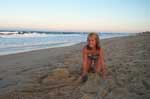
(92, 41)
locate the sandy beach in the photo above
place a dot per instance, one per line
(53, 73)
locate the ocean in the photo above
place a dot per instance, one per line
(16, 42)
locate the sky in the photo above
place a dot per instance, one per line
(76, 15)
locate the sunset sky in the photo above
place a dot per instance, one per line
(76, 15)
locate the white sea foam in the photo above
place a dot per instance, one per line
(31, 35)
(25, 35)
(7, 33)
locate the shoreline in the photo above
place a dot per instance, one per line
(16, 50)
(28, 74)
(29, 50)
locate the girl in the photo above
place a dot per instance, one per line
(93, 60)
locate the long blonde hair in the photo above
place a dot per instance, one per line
(97, 40)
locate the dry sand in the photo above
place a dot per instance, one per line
(53, 73)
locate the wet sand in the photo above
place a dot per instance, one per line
(53, 73)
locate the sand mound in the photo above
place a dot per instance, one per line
(57, 74)
(96, 87)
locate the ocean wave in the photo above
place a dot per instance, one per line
(25, 35)
(31, 35)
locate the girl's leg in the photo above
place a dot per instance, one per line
(86, 68)
(98, 68)
(101, 70)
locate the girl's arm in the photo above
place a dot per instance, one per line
(84, 59)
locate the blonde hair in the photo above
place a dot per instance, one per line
(97, 39)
